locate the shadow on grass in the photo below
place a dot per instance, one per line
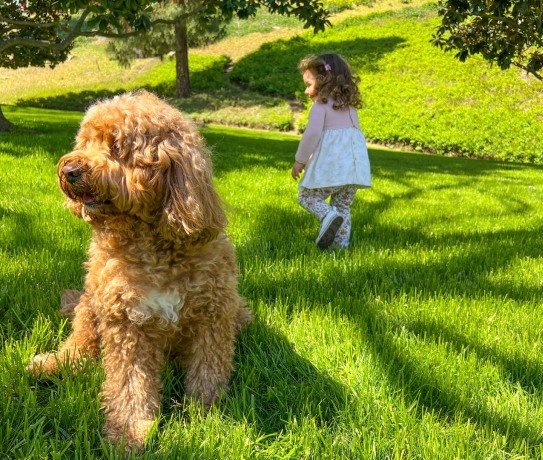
(464, 273)
(518, 369)
(418, 384)
(273, 69)
(37, 128)
(241, 149)
(277, 385)
(44, 265)
(74, 101)
(271, 385)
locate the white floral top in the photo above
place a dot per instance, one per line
(333, 148)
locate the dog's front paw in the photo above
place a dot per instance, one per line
(45, 363)
(204, 394)
(132, 435)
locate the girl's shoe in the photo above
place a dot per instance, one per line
(328, 229)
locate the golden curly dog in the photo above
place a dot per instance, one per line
(161, 273)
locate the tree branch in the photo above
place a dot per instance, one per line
(67, 40)
(180, 17)
(34, 25)
(78, 32)
(535, 74)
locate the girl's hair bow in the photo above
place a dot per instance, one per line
(327, 67)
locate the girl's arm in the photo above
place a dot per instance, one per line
(312, 134)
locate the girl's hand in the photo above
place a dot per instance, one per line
(297, 169)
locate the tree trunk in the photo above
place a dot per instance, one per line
(5, 124)
(182, 81)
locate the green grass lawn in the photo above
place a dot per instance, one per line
(423, 340)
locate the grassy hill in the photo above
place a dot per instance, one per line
(416, 97)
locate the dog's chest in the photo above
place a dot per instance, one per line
(164, 306)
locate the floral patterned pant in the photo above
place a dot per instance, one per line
(314, 201)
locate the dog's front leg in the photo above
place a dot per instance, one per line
(131, 391)
(210, 361)
(83, 341)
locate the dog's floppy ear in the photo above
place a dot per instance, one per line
(192, 205)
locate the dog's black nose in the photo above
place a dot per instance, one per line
(72, 172)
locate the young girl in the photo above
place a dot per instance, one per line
(333, 149)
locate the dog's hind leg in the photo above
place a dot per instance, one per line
(243, 316)
(132, 387)
(82, 342)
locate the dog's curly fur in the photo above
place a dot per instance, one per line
(161, 273)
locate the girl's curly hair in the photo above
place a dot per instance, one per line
(334, 79)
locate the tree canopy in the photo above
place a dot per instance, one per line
(505, 32)
(42, 32)
(173, 31)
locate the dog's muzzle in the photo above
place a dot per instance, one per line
(74, 182)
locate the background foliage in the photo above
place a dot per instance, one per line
(505, 32)
(415, 96)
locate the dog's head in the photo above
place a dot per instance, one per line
(138, 157)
